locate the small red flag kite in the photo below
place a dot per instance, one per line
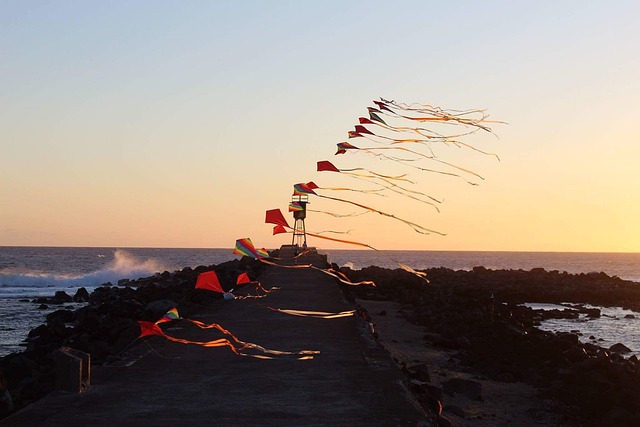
(148, 328)
(278, 229)
(362, 130)
(325, 165)
(364, 121)
(242, 279)
(209, 281)
(274, 216)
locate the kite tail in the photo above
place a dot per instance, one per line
(335, 215)
(315, 314)
(416, 227)
(404, 162)
(374, 175)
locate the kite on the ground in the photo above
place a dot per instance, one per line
(246, 248)
(209, 281)
(230, 340)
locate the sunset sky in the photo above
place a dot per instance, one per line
(178, 124)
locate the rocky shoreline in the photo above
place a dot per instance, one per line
(475, 317)
(105, 326)
(478, 316)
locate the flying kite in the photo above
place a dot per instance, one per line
(406, 134)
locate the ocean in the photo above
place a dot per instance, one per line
(28, 272)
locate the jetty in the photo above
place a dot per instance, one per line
(350, 381)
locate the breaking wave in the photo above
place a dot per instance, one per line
(124, 265)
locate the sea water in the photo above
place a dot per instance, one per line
(29, 272)
(615, 325)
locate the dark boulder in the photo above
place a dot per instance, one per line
(63, 316)
(62, 296)
(620, 348)
(82, 295)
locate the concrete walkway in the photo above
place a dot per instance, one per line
(351, 382)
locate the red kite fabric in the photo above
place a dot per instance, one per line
(242, 279)
(325, 165)
(363, 130)
(344, 146)
(209, 281)
(278, 229)
(274, 216)
(235, 345)
(149, 328)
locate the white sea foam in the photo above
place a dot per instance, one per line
(124, 265)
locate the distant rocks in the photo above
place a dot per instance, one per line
(82, 295)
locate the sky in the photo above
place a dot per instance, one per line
(178, 124)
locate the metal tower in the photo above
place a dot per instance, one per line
(299, 208)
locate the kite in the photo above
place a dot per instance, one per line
(274, 216)
(209, 281)
(242, 279)
(245, 247)
(276, 213)
(325, 165)
(169, 316)
(316, 314)
(391, 126)
(278, 229)
(295, 207)
(235, 345)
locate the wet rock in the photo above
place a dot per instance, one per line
(82, 295)
(593, 313)
(62, 316)
(62, 296)
(620, 348)
(565, 341)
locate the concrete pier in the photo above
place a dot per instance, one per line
(350, 382)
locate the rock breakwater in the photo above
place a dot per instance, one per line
(478, 315)
(105, 326)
